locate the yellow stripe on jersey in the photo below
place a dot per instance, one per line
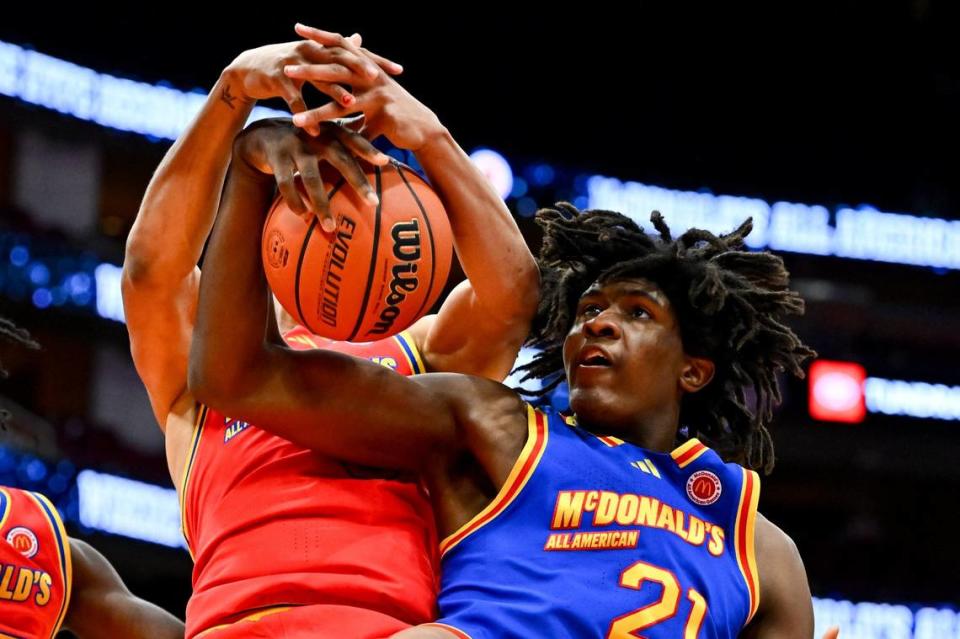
(305, 340)
(63, 553)
(523, 468)
(257, 616)
(187, 469)
(610, 440)
(688, 452)
(744, 541)
(653, 469)
(411, 353)
(5, 511)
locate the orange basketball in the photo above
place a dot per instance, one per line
(382, 268)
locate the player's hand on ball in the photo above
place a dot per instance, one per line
(258, 74)
(388, 108)
(275, 147)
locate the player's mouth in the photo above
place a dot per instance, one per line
(594, 357)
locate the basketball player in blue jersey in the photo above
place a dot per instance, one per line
(635, 515)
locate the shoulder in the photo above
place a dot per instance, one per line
(773, 542)
(778, 558)
(492, 419)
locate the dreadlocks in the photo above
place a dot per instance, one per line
(730, 305)
(10, 331)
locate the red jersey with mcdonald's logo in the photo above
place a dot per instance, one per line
(35, 569)
(271, 524)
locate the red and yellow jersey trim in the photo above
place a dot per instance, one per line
(251, 618)
(521, 472)
(4, 507)
(608, 440)
(408, 346)
(302, 339)
(64, 558)
(744, 541)
(456, 632)
(688, 452)
(187, 470)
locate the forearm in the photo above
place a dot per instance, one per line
(121, 614)
(228, 338)
(181, 200)
(101, 606)
(489, 244)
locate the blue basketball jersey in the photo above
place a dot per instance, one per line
(595, 537)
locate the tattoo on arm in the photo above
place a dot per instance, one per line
(227, 98)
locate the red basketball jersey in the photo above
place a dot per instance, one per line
(271, 524)
(35, 569)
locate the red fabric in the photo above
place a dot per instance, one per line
(272, 524)
(34, 566)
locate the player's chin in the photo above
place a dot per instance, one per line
(592, 403)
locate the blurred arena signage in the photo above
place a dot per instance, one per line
(155, 110)
(130, 508)
(867, 620)
(861, 233)
(160, 111)
(842, 392)
(836, 392)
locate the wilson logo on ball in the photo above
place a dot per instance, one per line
(406, 248)
(382, 268)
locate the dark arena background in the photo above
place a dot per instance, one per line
(834, 126)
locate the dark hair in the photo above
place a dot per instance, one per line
(9, 331)
(730, 306)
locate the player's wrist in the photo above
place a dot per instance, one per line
(232, 77)
(432, 137)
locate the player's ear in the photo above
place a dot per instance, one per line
(696, 373)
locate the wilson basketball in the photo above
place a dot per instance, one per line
(379, 271)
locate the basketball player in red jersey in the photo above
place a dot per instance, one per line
(288, 543)
(49, 581)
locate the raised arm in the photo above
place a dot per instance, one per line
(102, 607)
(160, 276)
(482, 324)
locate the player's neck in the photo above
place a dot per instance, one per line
(657, 433)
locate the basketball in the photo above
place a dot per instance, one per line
(381, 269)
